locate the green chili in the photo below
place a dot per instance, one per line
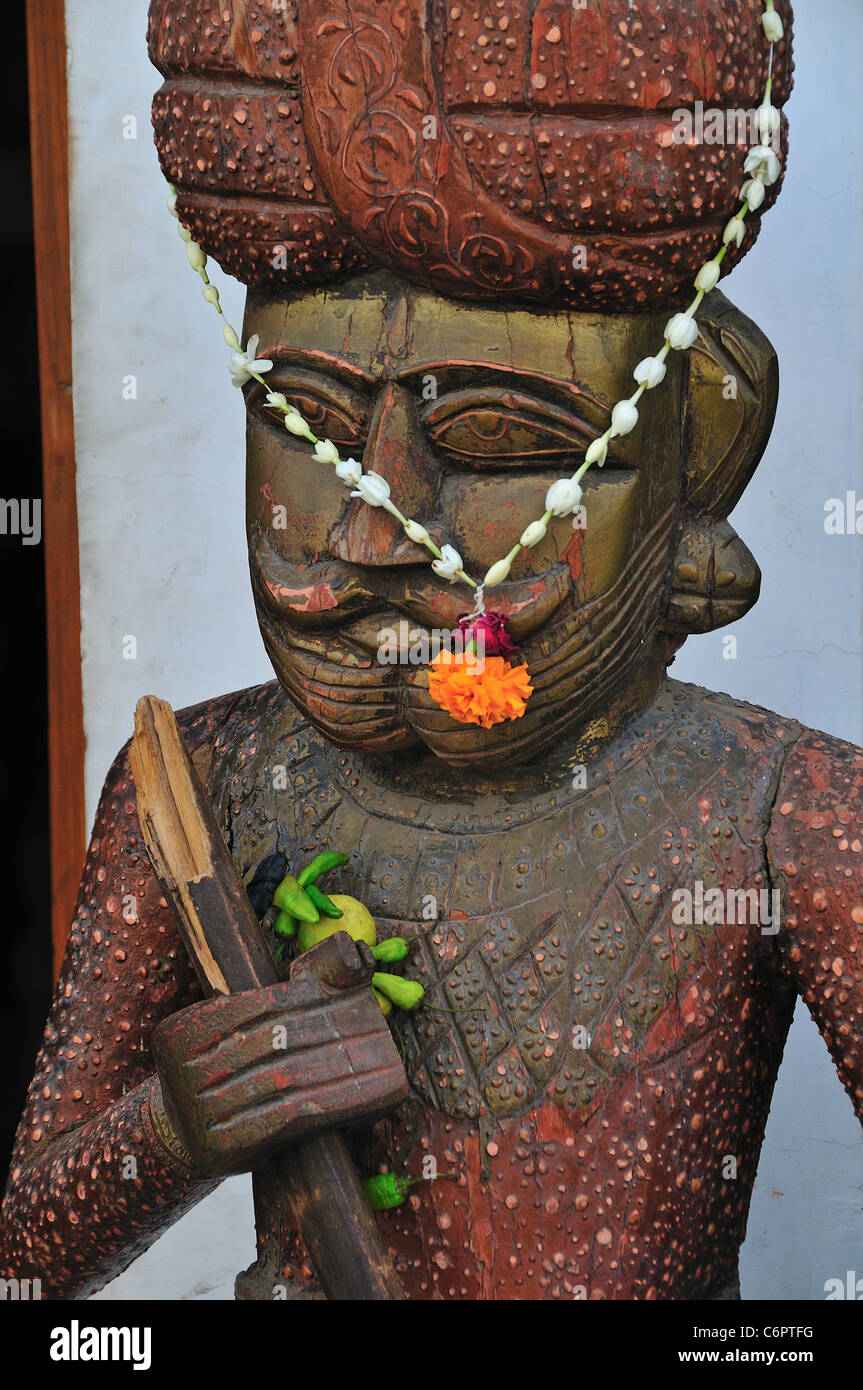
(293, 899)
(395, 948)
(407, 994)
(320, 865)
(285, 925)
(325, 905)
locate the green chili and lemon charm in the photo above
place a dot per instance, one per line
(309, 914)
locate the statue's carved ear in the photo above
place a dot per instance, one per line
(715, 581)
(729, 406)
(730, 394)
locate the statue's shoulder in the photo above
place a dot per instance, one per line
(262, 763)
(761, 730)
(258, 707)
(821, 793)
(216, 729)
(213, 731)
(809, 756)
(812, 781)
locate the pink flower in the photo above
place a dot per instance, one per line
(490, 632)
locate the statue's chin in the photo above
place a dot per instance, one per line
(397, 717)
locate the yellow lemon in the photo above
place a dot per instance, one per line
(356, 920)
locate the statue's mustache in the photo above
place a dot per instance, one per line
(332, 593)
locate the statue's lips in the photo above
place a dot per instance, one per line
(330, 593)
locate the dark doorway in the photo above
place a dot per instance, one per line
(25, 931)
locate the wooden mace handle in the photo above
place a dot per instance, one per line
(223, 938)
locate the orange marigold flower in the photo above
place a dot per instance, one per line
(484, 692)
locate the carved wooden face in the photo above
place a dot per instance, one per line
(470, 414)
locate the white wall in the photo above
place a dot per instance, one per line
(799, 650)
(160, 494)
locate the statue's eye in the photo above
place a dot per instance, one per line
(338, 414)
(493, 427)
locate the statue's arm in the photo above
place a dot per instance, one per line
(145, 1095)
(92, 1182)
(815, 850)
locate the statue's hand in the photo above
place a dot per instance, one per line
(241, 1076)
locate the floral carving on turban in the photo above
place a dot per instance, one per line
(496, 147)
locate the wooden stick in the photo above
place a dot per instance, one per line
(224, 939)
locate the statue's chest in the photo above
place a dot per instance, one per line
(562, 957)
(554, 939)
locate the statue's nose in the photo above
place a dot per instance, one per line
(396, 448)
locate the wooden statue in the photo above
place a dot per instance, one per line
(462, 225)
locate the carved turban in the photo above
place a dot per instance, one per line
(529, 149)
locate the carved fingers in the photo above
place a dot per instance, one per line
(246, 1074)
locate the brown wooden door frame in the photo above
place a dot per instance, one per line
(46, 70)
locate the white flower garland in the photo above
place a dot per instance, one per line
(763, 168)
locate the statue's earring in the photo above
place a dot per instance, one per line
(730, 399)
(716, 578)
